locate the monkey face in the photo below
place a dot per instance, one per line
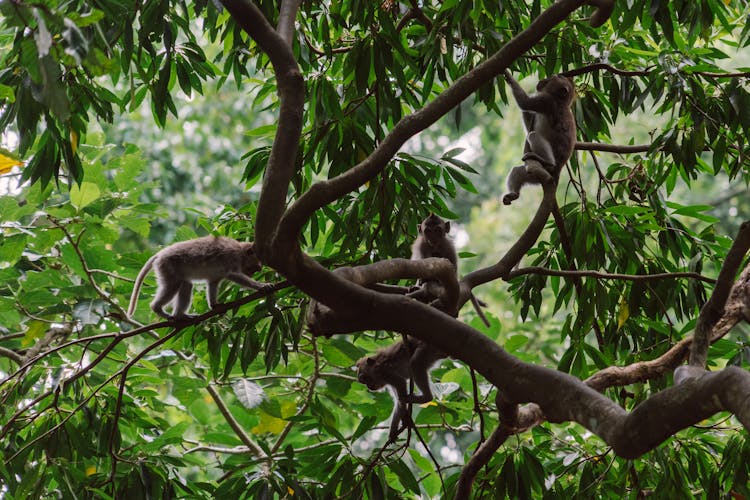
(559, 86)
(366, 374)
(434, 229)
(433, 235)
(250, 262)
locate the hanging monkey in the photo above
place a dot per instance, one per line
(551, 132)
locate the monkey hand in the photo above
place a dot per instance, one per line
(267, 288)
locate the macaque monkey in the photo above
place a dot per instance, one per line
(394, 366)
(551, 132)
(433, 241)
(211, 259)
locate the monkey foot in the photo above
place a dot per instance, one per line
(509, 198)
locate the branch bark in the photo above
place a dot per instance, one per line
(713, 310)
(282, 161)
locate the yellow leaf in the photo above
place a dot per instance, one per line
(268, 423)
(428, 403)
(7, 163)
(290, 490)
(90, 470)
(35, 331)
(624, 313)
(74, 141)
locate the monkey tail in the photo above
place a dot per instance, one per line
(478, 308)
(138, 282)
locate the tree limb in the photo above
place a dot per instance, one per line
(612, 148)
(282, 160)
(252, 446)
(287, 15)
(527, 240)
(607, 276)
(713, 310)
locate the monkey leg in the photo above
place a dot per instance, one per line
(399, 421)
(212, 293)
(182, 302)
(540, 149)
(517, 177)
(419, 365)
(164, 295)
(536, 171)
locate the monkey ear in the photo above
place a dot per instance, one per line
(542, 83)
(447, 227)
(370, 361)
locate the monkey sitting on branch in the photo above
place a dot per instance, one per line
(432, 241)
(394, 366)
(211, 259)
(551, 132)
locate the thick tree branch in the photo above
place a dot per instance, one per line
(287, 15)
(11, 354)
(612, 148)
(480, 458)
(737, 309)
(562, 397)
(527, 240)
(282, 161)
(325, 321)
(713, 310)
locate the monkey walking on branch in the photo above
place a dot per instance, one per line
(212, 259)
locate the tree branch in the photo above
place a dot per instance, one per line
(252, 446)
(607, 276)
(287, 15)
(527, 240)
(282, 161)
(713, 310)
(612, 148)
(11, 354)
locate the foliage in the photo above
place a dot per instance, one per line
(246, 403)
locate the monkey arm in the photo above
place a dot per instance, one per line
(419, 364)
(400, 420)
(401, 417)
(538, 102)
(246, 281)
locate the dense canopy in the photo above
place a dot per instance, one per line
(615, 357)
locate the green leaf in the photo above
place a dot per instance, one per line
(405, 476)
(83, 195)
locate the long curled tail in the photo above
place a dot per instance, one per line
(138, 282)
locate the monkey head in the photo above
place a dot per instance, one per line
(560, 87)
(367, 373)
(250, 262)
(434, 229)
